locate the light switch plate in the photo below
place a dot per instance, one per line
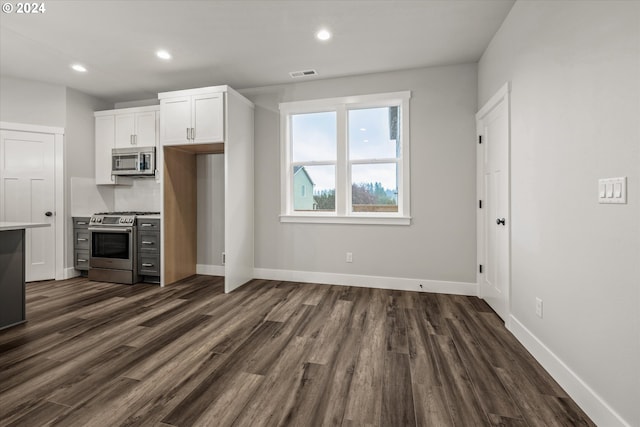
(612, 190)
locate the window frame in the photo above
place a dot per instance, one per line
(343, 213)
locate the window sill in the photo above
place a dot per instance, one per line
(352, 219)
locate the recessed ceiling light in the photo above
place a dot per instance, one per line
(363, 129)
(163, 54)
(323, 35)
(79, 68)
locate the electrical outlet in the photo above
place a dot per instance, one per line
(349, 257)
(539, 307)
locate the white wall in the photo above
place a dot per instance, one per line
(574, 67)
(31, 102)
(210, 209)
(440, 242)
(26, 101)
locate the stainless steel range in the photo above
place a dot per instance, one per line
(113, 255)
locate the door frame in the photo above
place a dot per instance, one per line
(502, 95)
(60, 212)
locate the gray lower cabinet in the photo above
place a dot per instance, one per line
(148, 241)
(81, 244)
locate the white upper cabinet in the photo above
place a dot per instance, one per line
(193, 116)
(123, 128)
(105, 142)
(175, 125)
(208, 118)
(136, 129)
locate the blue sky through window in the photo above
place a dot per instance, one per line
(314, 138)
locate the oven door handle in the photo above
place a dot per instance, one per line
(111, 230)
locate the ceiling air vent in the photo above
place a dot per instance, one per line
(305, 73)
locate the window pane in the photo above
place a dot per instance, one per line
(373, 133)
(313, 136)
(374, 188)
(314, 188)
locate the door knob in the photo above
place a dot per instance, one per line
(48, 213)
(500, 221)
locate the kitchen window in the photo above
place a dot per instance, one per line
(346, 160)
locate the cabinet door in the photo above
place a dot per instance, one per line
(125, 129)
(105, 137)
(208, 118)
(176, 120)
(145, 129)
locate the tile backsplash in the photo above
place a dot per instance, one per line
(88, 198)
(143, 195)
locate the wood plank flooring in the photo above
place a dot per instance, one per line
(271, 353)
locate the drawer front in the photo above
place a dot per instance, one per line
(81, 222)
(81, 239)
(149, 265)
(148, 242)
(81, 260)
(148, 224)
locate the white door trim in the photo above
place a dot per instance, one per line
(60, 211)
(502, 95)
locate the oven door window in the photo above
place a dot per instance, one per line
(110, 245)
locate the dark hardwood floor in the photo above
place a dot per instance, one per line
(271, 353)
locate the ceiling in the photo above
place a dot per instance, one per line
(242, 43)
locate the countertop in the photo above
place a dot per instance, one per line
(6, 226)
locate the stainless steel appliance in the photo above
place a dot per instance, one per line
(134, 161)
(113, 255)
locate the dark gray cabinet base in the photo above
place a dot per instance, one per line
(12, 270)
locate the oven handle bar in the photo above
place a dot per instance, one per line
(111, 230)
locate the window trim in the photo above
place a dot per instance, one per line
(341, 106)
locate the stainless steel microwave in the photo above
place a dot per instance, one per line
(134, 161)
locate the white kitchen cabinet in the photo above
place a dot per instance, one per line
(194, 116)
(123, 128)
(104, 143)
(196, 122)
(136, 129)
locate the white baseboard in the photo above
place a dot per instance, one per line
(70, 273)
(393, 283)
(589, 401)
(210, 270)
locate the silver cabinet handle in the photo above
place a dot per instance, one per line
(81, 223)
(82, 260)
(193, 134)
(147, 243)
(188, 133)
(146, 225)
(82, 240)
(135, 139)
(144, 264)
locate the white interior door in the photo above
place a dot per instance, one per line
(494, 223)
(27, 194)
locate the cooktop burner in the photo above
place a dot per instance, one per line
(128, 213)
